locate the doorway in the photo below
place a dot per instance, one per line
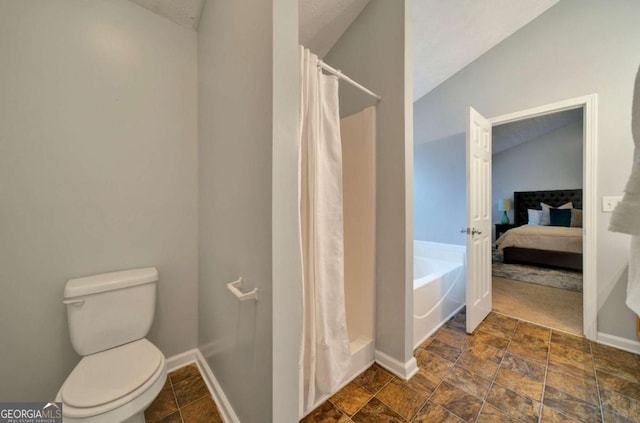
(538, 161)
(588, 105)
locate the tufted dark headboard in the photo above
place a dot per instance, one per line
(531, 200)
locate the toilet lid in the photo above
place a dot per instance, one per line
(108, 375)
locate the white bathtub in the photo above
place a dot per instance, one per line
(439, 280)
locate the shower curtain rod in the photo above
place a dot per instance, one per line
(345, 78)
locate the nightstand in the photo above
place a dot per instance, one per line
(502, 228)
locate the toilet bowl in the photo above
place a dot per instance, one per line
(121, 372)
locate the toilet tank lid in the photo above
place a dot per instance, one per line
(109, 281)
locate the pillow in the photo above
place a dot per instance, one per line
(576, 218)
(560, 217)
(535, 216)
(545, 220)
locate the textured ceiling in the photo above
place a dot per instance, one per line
(322, 22)
(515, 133)
(183, 12)
(450, 34)
(447, 34)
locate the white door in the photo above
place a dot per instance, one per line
(478, 292)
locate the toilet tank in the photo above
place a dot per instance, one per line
(111, 309)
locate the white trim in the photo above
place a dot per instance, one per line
(619, 343)
(224, 406)
(402, 370)
(181, 360)
(195, 356)
(589, 104)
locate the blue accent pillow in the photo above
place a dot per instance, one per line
(560, 217)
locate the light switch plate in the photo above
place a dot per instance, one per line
(610, 203)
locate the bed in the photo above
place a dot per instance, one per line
(548, 246)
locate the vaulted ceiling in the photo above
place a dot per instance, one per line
(447, 34)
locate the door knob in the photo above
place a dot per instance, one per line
(475, 231)
(464, 230)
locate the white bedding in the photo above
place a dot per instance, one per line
(552, 238)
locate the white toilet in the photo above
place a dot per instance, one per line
(121, 372)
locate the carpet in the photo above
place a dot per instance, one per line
(556, 278)
(552, 307)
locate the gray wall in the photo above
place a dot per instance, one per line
(576, 48)
(552, 161)
(97, 173)
(287, 271)
(439, 190)
(372, 51)
(235, 106)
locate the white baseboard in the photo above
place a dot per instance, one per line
(402, 370)
(194, 356)
(224, 406)
(181, 360)
(619, 343)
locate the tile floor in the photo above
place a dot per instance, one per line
(184, 398)
(507, 371)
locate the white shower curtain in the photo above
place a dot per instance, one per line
(325, 358)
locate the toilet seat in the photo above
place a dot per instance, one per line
(104, 377)
(113, 382)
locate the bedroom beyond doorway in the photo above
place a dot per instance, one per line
(537, 190)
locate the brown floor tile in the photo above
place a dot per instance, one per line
(496, 330)
(620, 404)
(163, 405)
(535, 331)
(572, 341)
(433, 413)
(171, 418)
(520, 384)
(190, 370)
(373, 379)
(486, 352)
(203, 410)
(376, 411)
(190, 389)
(468, 382)
(529, 347)
(434, 364)
(430, 339)
(425, 381)
(350, 398)
(458, 321)
(325, 413)
(579, 387)
(549, 415)
(610, 417)
(454, 338)
(457, 401)
(489, 339)
(514, 405)
(501, 320)
(526, 367)
(477, 365)
(623, 386)
(457, 370)
(443, 350)
(401, 398)
(610, 353)
(570, 361)
(491, 414)
(618, 368)
(571, 406)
